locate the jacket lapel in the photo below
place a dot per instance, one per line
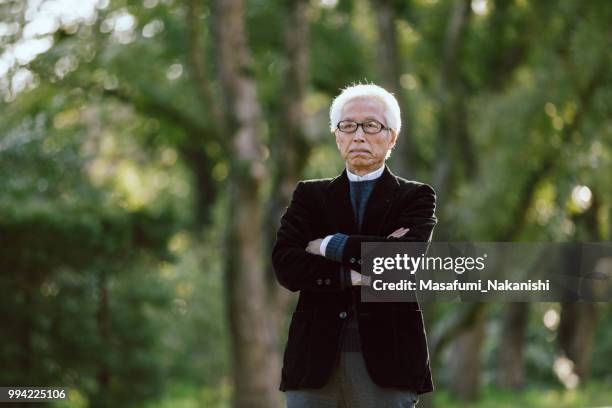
(340, 210)
(338, 205)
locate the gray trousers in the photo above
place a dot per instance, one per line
(350, 386)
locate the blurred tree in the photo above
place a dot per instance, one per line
(67, 260)
(289, 151)
(407, 158)
(253, 358)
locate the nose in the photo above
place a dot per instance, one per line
(359, 135)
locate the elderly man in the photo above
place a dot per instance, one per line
(342, 352)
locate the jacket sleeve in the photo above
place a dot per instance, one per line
(295, 268)
(418, 214)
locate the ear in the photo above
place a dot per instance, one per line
(393, 140)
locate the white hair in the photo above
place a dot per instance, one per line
(392, 109)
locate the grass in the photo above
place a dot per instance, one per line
(595, 394)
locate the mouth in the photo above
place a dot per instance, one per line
(356, 151)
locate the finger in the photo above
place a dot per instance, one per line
(399, 232)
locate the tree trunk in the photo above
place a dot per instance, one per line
(104, 328)
(464, 365)
(510, 367)
(452, 142)
(429, 317)
(579, 319)
(205, 188)
(405, 158)
(199, 69)
(194, 149)
(576, 333)
(289, 150)
(452, 127)
(253, 357)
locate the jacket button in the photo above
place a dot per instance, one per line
(319, 281)
(328, 281)
(352, 260)
(342, 315)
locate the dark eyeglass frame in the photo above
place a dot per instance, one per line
(382, 127)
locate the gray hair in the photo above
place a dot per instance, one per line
(392, 109)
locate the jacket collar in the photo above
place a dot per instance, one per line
(340, 210)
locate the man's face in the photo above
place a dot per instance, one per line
(364, 152)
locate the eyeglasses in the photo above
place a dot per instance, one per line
(371, 126)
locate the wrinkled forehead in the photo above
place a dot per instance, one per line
(362, 108)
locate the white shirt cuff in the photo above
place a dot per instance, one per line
(324, 243)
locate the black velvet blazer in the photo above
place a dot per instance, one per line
(393, 339)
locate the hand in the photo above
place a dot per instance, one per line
(398, 232)
(358, 279)
(314, 247)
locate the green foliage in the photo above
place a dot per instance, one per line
(81, 300)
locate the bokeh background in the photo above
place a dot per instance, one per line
(149, 148)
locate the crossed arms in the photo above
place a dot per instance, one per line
(318, 247)
(297, 258)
